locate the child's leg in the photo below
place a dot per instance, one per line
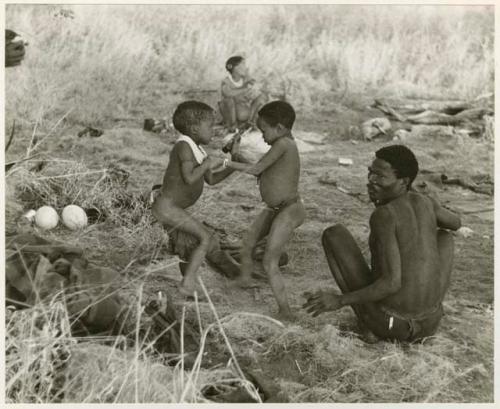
(228, 111)
(257, 103)
(282, 228)
(176, 217)
(242, 111)
(257, 231)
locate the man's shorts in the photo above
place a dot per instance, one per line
(389, 325)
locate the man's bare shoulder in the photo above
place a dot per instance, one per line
(382, 215)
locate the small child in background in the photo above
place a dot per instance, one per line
(278, 172)
(188, 169)
(240, 101)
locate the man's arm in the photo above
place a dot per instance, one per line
(388, 260)
(277, 150)
(444, 218)
(190, 170)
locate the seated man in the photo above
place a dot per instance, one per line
(240, 102)
(400, 297)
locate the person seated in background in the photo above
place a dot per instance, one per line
(240, 100)
(14, 48)
(400, 296)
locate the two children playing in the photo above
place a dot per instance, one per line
(278, 174)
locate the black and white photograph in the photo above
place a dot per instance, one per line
(248, 203)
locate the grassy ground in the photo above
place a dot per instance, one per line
(313, 360)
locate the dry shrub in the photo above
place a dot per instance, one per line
(46, 364)
(64, 182)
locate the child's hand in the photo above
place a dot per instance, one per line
(212, 163)
(235, 147)
(249, 82)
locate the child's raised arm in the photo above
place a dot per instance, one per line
(277, 149)
(190, 170)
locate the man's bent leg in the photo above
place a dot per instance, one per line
(445, 247)
(351, 273)
(347, 264)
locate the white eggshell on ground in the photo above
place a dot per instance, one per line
(74, 217)
(46, 217)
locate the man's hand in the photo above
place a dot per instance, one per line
(322, 301)
(14, 48)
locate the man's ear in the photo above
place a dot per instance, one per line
(405, 181)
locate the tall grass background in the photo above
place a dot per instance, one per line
(114, 61)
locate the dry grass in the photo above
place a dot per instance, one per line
(84, 70)
(84, 62)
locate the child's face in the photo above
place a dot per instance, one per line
(241, 69)
(270, 133)
(204, 130)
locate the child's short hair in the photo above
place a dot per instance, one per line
(232, 62)
(190, 113)
(402, 160)
(278, 112)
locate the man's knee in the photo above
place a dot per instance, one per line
(333, 234)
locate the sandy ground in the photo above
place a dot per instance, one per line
(234, 204)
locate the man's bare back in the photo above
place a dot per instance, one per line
(415, 231)
(400, 296)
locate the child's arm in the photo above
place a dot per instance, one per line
(279, 147)
(212, 178)
(190, 170)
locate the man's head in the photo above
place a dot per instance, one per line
(195, 119)
(275, 120)
(236, 64)
(391, 173)
(14, 48)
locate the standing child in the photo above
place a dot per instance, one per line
(188, 169)
(240, 101)
(278, 174)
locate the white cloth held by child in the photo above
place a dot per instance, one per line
(198, 152)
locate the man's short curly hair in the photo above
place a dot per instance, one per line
(402, 160)
(190, 113)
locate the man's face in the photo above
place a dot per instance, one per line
(269, 133)
(204, 131)
(383, 184)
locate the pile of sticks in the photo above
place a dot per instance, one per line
(475, 118)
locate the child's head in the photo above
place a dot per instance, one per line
(236, 64)
(194, 119)
(276, 120)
